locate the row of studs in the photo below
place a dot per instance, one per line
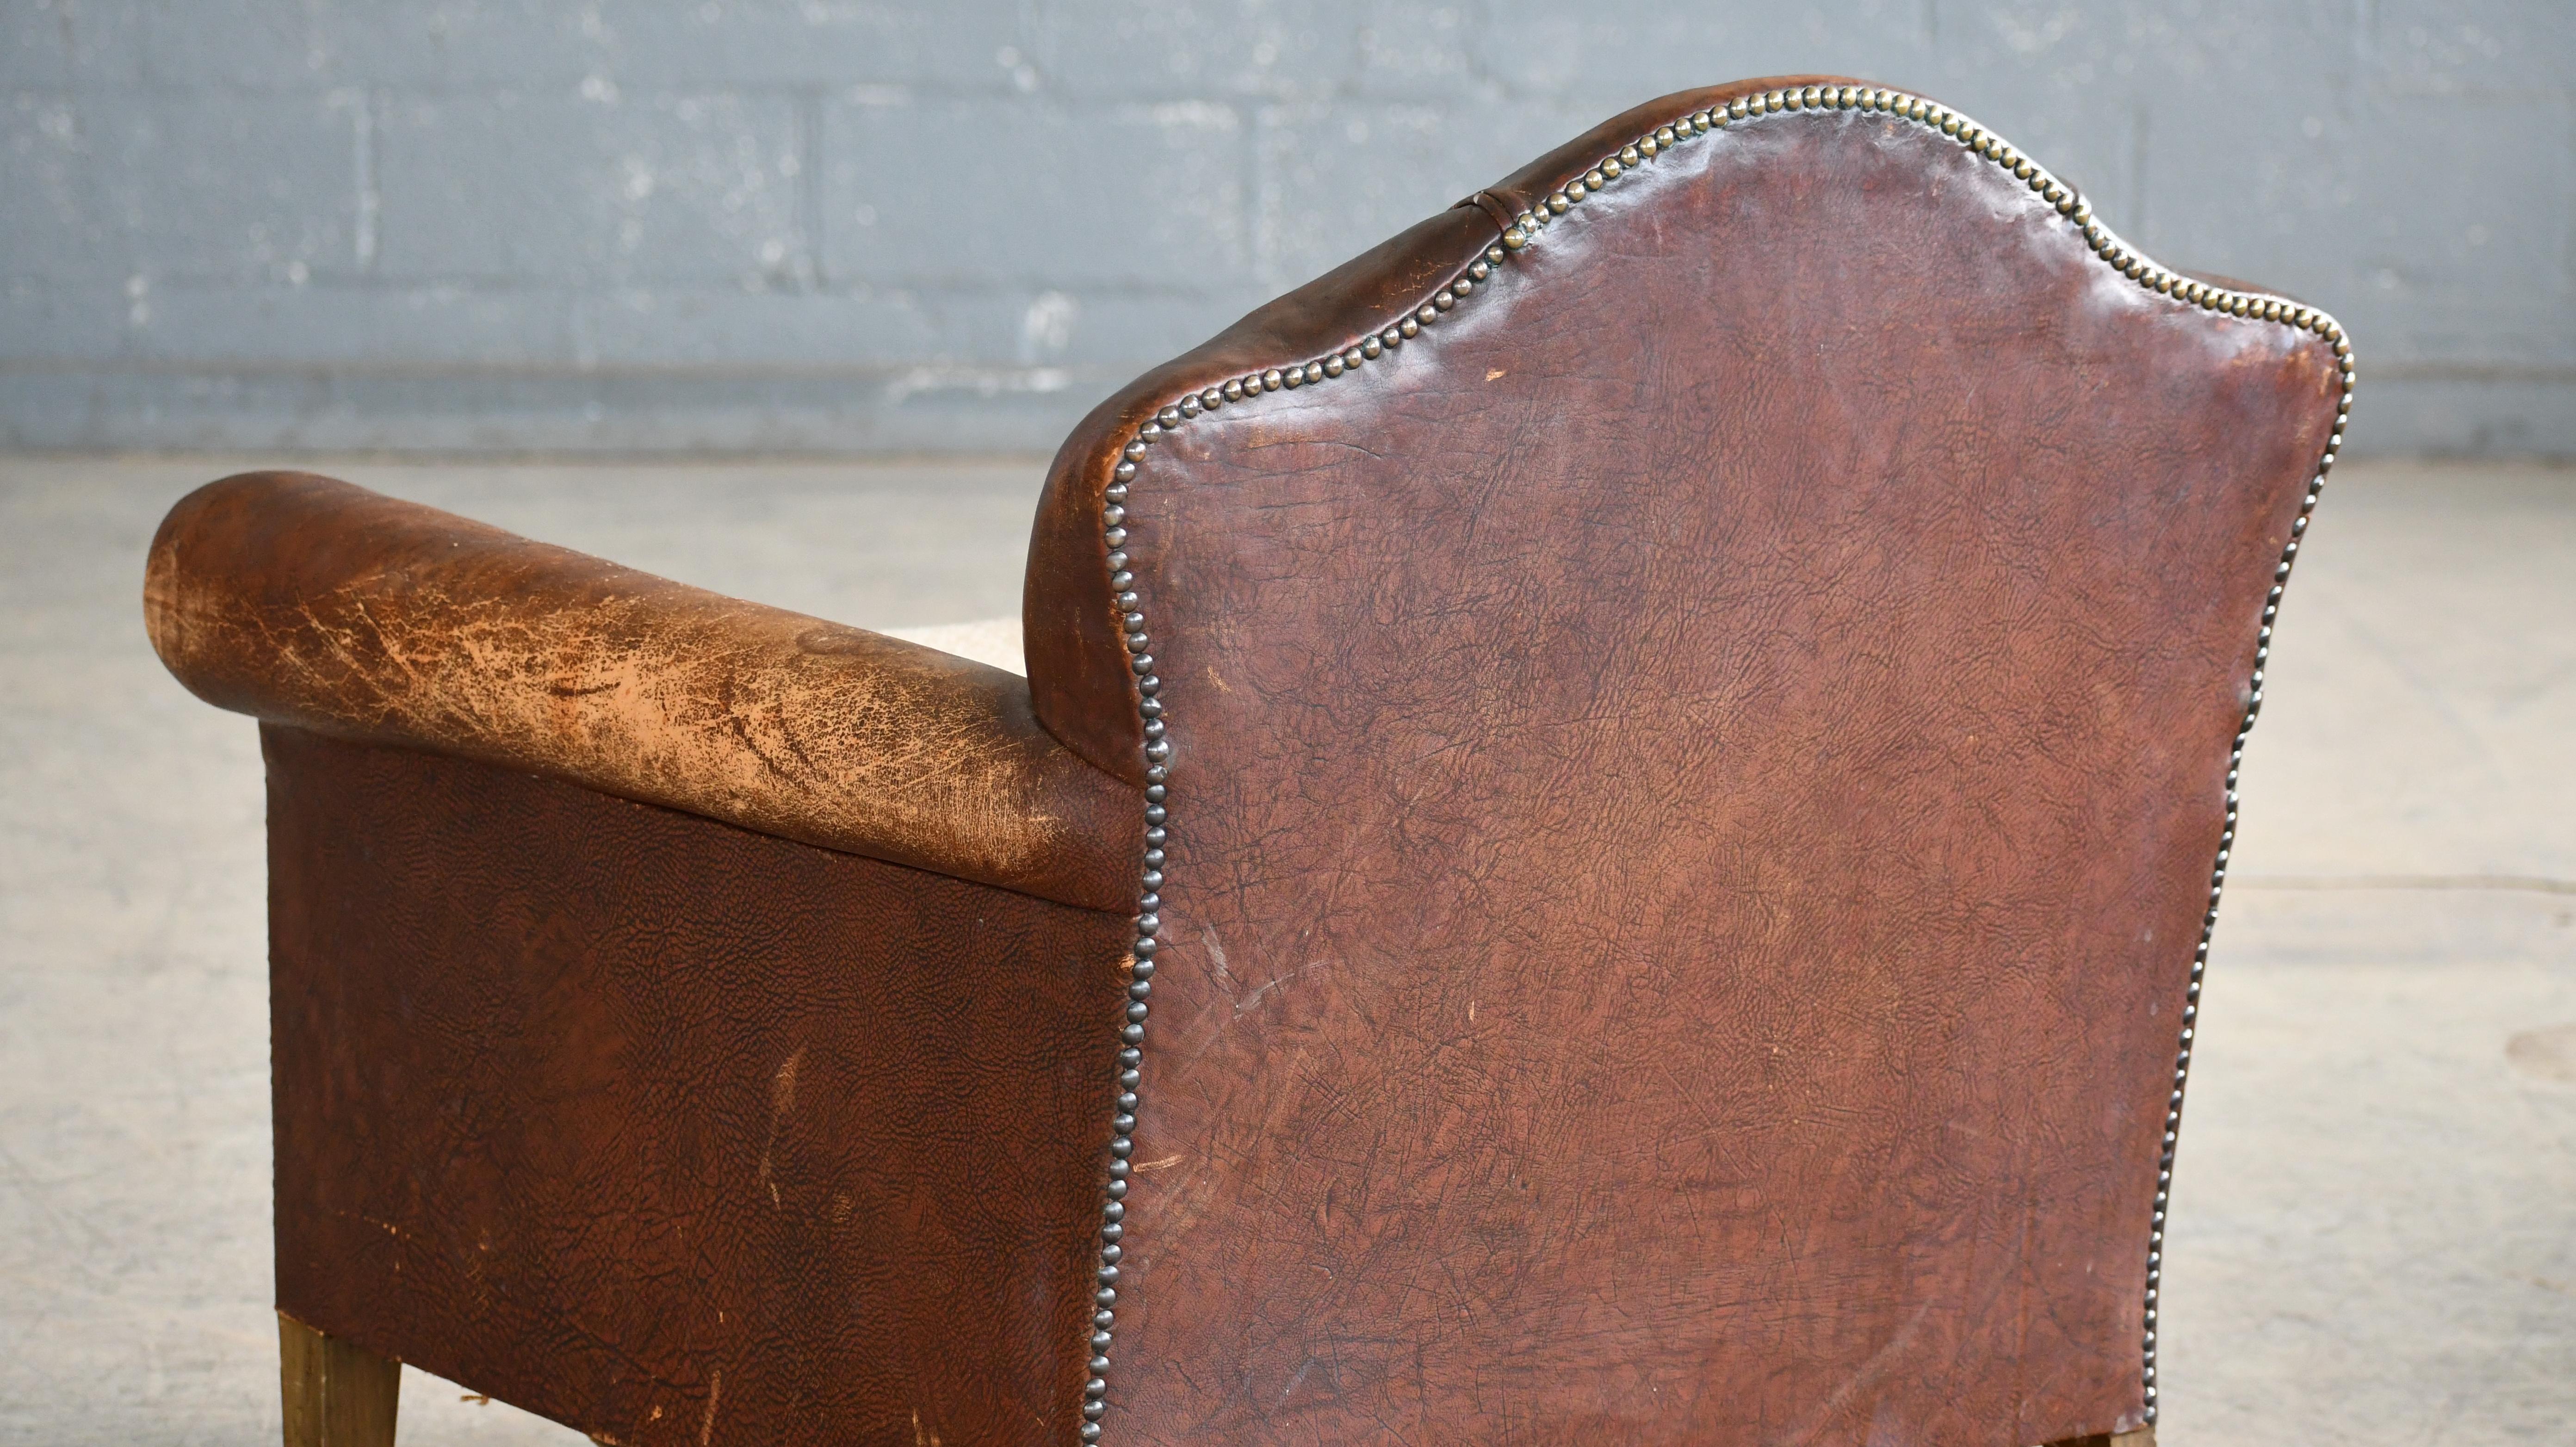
(1524, 229)
(1158, 752)
(2272, 309)
(1149, 924)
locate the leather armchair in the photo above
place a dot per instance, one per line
(1609, 838)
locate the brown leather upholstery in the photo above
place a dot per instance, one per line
(1692, 793)
(1682, 785)
(307, 601)
(669, 1130)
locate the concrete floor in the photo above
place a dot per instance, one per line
(2374, 1235)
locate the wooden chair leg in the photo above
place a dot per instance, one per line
(338, 1394)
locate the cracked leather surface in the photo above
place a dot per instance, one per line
(1693, 791)
(674, 1132)
(303, 600)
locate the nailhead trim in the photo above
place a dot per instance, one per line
(1525, 230)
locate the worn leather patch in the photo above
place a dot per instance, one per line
(671, 1131)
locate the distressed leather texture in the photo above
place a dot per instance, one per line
(1693, 790)
(1077, 668)
(304, 600)
(671, 1131)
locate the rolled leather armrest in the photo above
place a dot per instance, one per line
(303, 600)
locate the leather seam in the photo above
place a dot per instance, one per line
(1496, 209)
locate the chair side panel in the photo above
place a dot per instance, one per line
(671, 1131)
(1693, 791)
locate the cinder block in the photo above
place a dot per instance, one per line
(1336, 179)
(965, 46)
(338, 325)
(236, 44)
(55, 222)
(682, 44)
(2409, 245)
(1023, 191)
(2469, 341)
(48, 321)
(1092, 328)
(57, 411)
(203, 184)
(2495, 47)
(1419, 51)
(758, 332)
(1184, 49)
(912, 409)
(56, 44)
(2467, 416)
(472, 43)
(2156, 52)
(1411, 50)
(1605, 53)
(2085, 88)
(590, 188)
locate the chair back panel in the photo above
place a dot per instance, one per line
(1692, 792)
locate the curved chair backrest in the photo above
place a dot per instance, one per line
(1696, 697)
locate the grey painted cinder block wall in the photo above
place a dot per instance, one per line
(463, 225)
